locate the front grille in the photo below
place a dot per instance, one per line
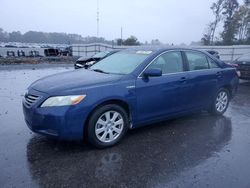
(31, 99)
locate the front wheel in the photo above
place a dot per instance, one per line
(107, 125)
(221, 102)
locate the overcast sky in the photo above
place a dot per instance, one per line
(170, 21)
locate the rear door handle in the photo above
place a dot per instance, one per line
(219, 74)
(183, 79)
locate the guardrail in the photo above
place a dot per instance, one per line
(227, 53)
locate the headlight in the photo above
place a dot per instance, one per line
(63, 100)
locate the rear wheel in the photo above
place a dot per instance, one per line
(107, 125)
(221, 102)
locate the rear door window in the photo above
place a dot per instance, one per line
(197, 61)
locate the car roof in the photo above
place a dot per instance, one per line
(212, 51)
(160, 48)
(113, 50)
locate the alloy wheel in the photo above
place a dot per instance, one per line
(221, 101)
(109, 126)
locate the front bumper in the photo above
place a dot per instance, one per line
(65, 123)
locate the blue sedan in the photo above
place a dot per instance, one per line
(129, 89)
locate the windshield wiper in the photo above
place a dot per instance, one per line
(99, 70)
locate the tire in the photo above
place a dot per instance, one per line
(107, 126)
(220, 103)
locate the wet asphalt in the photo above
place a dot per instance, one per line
(194, 151)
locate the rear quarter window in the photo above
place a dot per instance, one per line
(197, 61)
(212, 63)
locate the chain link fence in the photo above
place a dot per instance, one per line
(227, 53)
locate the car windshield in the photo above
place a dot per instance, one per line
(101, 54)
(245, 57)
(120, 63)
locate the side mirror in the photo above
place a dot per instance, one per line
(152, 73)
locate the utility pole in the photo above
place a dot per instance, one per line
(97, 19)
(121, 35)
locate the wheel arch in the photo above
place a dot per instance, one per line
(118, 102)
(229, 89)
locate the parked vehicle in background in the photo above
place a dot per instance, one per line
(51, 52)
(65, 51)
(243, 65)
(34, 53)
(214, 53)
(10, 46)
(127, 90)
(84, 62)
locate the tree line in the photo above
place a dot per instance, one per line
(235, 21)
(60, 38)
(64, 38)
(50, 38)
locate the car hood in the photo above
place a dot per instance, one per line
(83, 58)
(73, 80)
(87, 59)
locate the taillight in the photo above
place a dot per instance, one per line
(238, 73)
(235, 65)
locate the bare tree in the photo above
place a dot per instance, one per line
(217, 10)
(236, 23)
(242, 18)
(230, 24)
(247, 2)
(206, 39)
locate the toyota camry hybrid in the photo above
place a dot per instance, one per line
(126, 90)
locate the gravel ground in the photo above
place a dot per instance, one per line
(194, 151)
